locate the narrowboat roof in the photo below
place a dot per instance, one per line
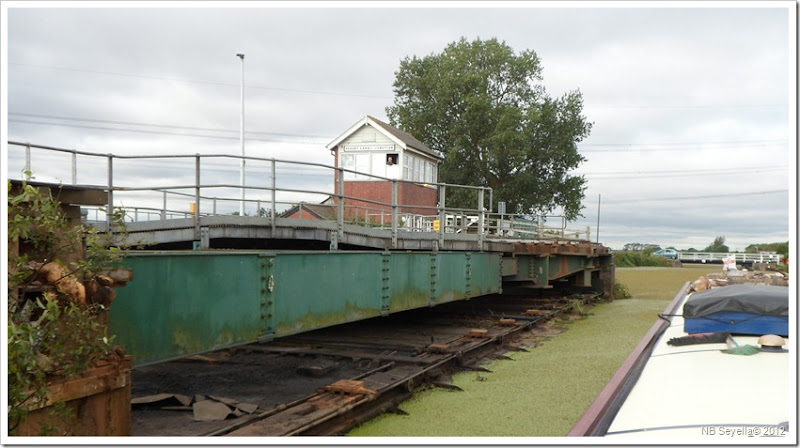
(700, 393)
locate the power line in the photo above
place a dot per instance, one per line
(689, 171)
(697, 148)
(165, 126)
(687, 106)
(320, 92)
(685, 198)
(145, 131)
(631, 147)
(730, 142)
(690, 174)
(194, 81)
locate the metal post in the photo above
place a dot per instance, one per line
(442, 215)
(197, 197)
(241, 134)
(394, 213)
(74, 168)
(214, 205)
(540, 227)
(27, 162)
(164, 210)
(340, 208)
(110, 209)
(481, 217)
(272, 210)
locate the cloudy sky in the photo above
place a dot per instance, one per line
(693, 107)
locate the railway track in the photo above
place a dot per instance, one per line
(327, 381)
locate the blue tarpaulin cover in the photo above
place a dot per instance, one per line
(738, 309)
(761, 300)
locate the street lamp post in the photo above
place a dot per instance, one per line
(241, 135)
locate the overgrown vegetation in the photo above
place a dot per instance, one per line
(621, 291)
(780, 248)
(55, 295)
(629, 259)
(578, 307)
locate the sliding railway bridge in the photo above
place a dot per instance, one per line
(216, 265)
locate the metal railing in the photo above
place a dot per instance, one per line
(137, 184)
(710, 257)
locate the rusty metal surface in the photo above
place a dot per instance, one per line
(383, 359)
(185, 303)
(99, 400)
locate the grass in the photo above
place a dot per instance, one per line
(543, 392)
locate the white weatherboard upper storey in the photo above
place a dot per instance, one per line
(373, 147)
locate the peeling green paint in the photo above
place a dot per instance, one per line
(311, 320)
(409, 300)
(182, 303)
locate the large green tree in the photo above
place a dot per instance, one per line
(717, 246)
(781, 248)
(482, 107)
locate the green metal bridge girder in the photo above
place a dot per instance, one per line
(542, 270)
(184, 303)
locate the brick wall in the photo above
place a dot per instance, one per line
(408, 196)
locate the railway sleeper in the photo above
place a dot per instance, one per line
(334, 411)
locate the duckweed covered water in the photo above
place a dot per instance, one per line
(543, 392)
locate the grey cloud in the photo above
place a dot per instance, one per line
(648, 76)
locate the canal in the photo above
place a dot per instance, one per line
(543, 392)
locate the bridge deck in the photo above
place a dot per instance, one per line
(214, 231)
(301, 274)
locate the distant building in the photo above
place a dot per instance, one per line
(325, 211)
(380, 153)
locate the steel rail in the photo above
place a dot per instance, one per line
(340, 419)
(284, 406)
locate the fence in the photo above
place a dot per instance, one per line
(163, 187)
(712, 257)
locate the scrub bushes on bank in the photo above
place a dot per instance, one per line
(630, 259)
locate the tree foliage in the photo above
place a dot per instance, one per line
(627, 259)
(781, 248)
(639, 247)
(483, 108)
(717, 246)
(50, 335)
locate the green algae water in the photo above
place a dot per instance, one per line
(543, 392)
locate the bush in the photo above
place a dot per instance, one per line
(53, 331)
(621, 291)
(628, 259)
